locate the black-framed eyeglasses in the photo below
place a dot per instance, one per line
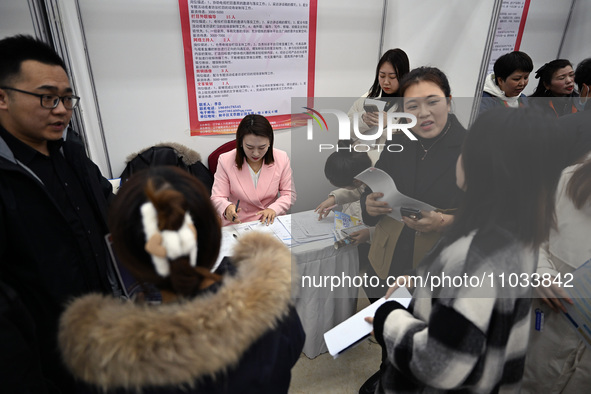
(50, 101)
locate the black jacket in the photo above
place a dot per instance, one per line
(577, 135)
(437, 184)
(20, 363)
(432, 180)
(39, 254)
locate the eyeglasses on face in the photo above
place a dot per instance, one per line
(50, 101)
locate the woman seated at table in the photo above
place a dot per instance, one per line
(556, 89)
(231, 331)
(423, 170)
(254, 174)
(504, 87)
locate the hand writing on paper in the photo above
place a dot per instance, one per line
(231, 213)
(553, 296)
(268, 216)
(325, 206)
(375, 207)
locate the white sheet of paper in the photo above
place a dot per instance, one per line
(380, 181)
(355, 328)
(305, 227)
(226, 248)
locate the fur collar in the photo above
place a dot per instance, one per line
(188, 155)
(110, 343)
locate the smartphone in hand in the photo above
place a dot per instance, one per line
(411, 213)
(371, 108)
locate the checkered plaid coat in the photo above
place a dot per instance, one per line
(470, 337)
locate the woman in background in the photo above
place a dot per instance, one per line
(424, 170)
(557, 359)
(504, 87)
(556, 89)
(472, 337)
(228, 332)
(256, 174)
(391, 68)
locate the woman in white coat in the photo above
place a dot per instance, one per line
(558, 360)
(393, 65)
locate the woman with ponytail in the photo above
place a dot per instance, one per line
(234, 330)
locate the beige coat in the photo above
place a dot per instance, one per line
(384, 242)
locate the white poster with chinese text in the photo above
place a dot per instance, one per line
(510, 28)
(244, 57)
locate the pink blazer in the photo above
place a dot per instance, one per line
(274, 189)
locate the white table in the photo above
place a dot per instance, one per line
(321, 308)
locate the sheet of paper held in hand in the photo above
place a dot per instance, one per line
(379, 181)
(355, 329)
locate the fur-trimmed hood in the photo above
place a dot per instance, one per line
(187, 155)
(110, 343)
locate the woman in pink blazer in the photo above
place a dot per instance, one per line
(255, 174)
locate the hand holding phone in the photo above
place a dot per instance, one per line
(412, 213)
(370, 108)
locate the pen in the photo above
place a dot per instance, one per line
(329, 208)
(237, 205)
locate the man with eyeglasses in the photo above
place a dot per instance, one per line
(53, 203)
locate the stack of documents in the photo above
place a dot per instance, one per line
(277, 229)
(292, 230)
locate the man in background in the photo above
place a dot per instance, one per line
(53, 203)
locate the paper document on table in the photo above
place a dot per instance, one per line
(226, 248)
(579, 314)
(379, 181)
(353, 330)
(305, 227)
(276, 228)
